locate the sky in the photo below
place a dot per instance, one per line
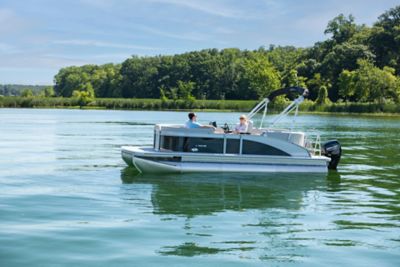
(38, 37)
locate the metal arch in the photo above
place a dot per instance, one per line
(303, 92)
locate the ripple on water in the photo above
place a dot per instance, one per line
(67, 198)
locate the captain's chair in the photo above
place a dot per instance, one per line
(250, 126)
(251, 129)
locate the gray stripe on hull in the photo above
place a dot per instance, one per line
(150, 166)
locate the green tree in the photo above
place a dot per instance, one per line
(231, 73)
(342, 28)
(343, 56)
(184, 90)
(106, 80)
(314, 84)
(47, 92)
(259, 77)
(346, 84)
(139, 77)
(369, 83)
(323, 98)
(27, 93)
(163, 93)
(73, 78)
(284, 58)
(292, 79)
(385, 39)
(83, 98)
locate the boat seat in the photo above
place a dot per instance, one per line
(252, 130)
(184, 129)
(294, 137)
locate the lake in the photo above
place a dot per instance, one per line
(67, 198)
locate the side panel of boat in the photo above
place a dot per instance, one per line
(175, 164)
(150, 166)
(249, 168)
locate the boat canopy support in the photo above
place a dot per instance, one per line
(293, 106)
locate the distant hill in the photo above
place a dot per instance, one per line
(16, 89)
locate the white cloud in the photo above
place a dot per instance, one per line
(211, 7)
(37, 76)
(191, 36)
(38, 61)
(80, 42)
(315, 24)
(216, 8)
(92, 59)
(103, 4)
(8, 49)
(10, 21)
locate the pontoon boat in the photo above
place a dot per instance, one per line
(177, 149)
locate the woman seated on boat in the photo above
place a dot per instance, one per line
(192, 122)
(242, 126)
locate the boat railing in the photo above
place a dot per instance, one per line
(313, 144)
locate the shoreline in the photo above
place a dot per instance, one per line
(390, 109)
(306, 112)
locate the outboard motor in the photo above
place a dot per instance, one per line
(332, 149)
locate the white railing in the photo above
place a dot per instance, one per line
(313, 144)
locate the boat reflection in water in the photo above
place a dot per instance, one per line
(241, 215)
(200, 194)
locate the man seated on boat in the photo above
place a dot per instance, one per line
(192, 122)
(242, 126)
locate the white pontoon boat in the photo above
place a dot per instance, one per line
(179, 149)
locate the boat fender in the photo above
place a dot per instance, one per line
(333, 150)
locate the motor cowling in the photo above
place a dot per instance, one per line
(333, 150)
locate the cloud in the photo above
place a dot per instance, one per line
(80, 42)
(103, 4)
(215, 8)
(8, 49)
(10, 21)
(38, 76)
(28, 60)
(190, 36)
(92, 59)
(211, 7)
(315, 24)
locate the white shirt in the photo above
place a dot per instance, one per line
(241, 128)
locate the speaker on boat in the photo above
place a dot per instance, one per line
(332, 149)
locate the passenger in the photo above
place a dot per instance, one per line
(192, 122)
(242, 126)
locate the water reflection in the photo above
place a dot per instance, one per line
(203, 194)
(253, 211)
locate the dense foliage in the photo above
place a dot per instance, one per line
(356, 63)
(26, 90)
(159, 104)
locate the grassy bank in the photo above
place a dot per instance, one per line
(157, 104)
(126, 103)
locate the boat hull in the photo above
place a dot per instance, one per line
(147, 160)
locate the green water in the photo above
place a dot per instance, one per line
(67, 198)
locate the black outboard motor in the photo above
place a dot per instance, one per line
(332, 149)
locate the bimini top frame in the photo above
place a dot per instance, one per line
(293, 106)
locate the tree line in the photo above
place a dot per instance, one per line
(26, 90)
(355, 63)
